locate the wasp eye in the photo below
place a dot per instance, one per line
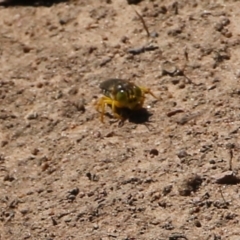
(121, 96)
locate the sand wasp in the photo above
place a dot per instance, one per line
(121, 94)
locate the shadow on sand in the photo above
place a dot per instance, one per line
(140, 116)
(32, 3)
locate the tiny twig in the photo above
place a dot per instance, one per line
(230, 159)
(142, 49)
(223, 196)
(186, 54)
(175, 7)
(143, 22)
(188, 118)
(11, 215)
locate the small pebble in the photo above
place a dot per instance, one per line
(74, 191)
(124, 39)
(182, 154)
(4, 143)
(227, 177)
(8, 178)
(79, 104)
(154, 34)
(175, 81)
(39, 85)
(73, 90)
(197, 223)
(154, 152)
(63, 21)
(24, 211)
(133, 1)
(167, 190)
(95, 226)
(35, 151)
(32, 116)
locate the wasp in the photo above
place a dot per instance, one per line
(121, 94)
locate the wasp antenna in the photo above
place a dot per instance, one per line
(143, 22)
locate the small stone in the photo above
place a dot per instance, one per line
(227, 177)
(104, 61)
(45, 166)
(174, 32)
(32, 116)
(219, 27)
(212, 87)
(67, 219)
(168, 68)
(63, 21)
(155, 222)
(154, 152)
(163, 10)
(90, 194)
(74, 191)
(175, 81)
(133, 1)
(71, 197)
(95, 226)
(35, 151)
(197, 223)
(4, 143)
(24, 211)
(8, 178)
(97, 134)
(82, 194)
(154, 34)
(89, 175)
(226, 33)
(136, 50)
(54, 221)
(225, 21)
(176, 236)
(162, 204)
(182, 153)
(124, 39)
(26, 49)
(73, 90)
(181, 86)
(39, 85)
(79, 104)
(167, 190)
(230, 145)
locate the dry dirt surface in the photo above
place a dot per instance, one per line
(170, 173)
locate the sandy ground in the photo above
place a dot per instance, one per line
(171, 175)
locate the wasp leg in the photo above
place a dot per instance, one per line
(148, 91)
(101, 104)
(115, 114)
(107, 101)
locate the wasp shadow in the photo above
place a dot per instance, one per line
(139, 116)
(32, 3)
